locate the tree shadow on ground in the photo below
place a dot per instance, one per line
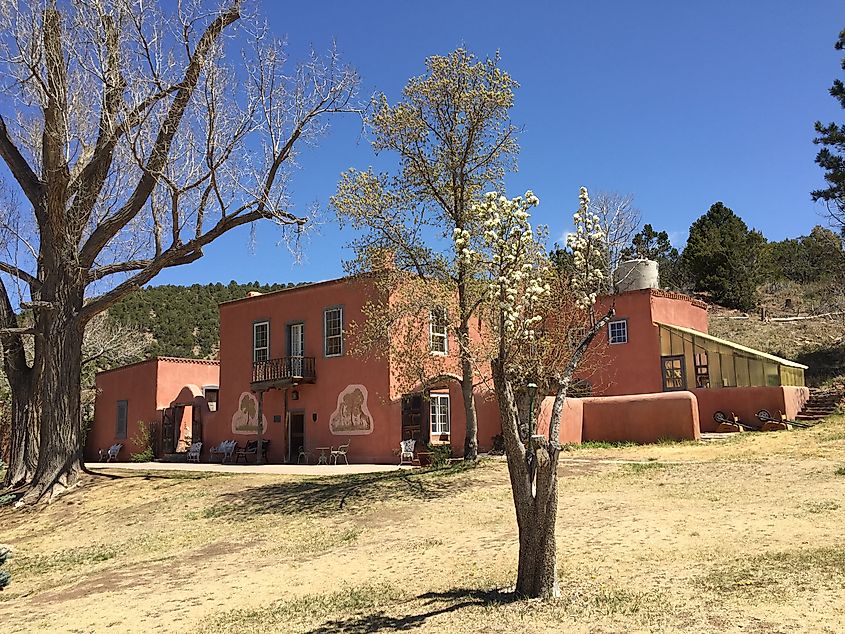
(329, 495)
(435, 603)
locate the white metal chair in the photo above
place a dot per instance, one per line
(302, 454)
(406, 451)
(194, 452)
(337, 453)
(111, 453)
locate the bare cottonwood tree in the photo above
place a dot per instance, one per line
(619, 219)
(137, 136)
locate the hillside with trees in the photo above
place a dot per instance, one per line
(183, 321)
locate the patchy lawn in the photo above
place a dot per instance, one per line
(740, 536)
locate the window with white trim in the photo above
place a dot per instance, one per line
(617, 331)
(438, 331)
(260, 341)
(440, 423)
(333, 329)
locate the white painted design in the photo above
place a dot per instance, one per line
(352, 416)
(245, 418)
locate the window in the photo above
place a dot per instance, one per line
(333, 329)
(674, 373)
(212, 396)
(702, 370)
(617, 331)
(122, 417)
(439, 413)
(260, 341)
(438, 331)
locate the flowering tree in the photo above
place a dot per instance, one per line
(452, 135)
(528, 340)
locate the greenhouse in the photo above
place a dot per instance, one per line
(693, 359)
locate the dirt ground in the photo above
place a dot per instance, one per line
(741, 536)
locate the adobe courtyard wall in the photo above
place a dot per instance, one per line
(745, 402)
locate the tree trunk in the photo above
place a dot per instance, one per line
(537, 572)
(60, 446)
(532, 467)
(23, 449)
(471, 438)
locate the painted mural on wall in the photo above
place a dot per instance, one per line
(245, 418)
(352, 417)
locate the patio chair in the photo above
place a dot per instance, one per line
(251, 449)
(110, 454)
(302, 454)
(337, 453)
(194, 452)
(406, 451)
(226, 449)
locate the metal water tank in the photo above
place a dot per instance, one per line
(635, 275)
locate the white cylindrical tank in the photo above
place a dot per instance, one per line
(635, 275)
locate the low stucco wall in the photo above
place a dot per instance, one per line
(571, 419)
(745, 402)
(641, 418)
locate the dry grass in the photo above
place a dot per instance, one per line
(742, 536)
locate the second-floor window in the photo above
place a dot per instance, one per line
(333, 329)
(617, 331)
(260, 341)
(438, 331)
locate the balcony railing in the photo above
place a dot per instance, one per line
(293, 369)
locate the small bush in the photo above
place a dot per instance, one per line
(840, 471)
(144, 439)
(440, 455)
(498, 445)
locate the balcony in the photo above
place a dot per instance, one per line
(283, 372)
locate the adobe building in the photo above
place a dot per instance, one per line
(285, 354)
(285, 370)
(173, 397)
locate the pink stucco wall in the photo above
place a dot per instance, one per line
(745, 402)
(634, 367)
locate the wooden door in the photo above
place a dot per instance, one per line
(168, 431)
(296, 435)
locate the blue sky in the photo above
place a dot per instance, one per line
(680, 104)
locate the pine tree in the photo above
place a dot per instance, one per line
(831, 158)
(722, 257)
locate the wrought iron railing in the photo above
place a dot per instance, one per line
(293, 368)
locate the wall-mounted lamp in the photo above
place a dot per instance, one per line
(314, 417)
(294, 395)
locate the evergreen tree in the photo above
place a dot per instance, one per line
(722, 257)
(655, 245)
(831, 158)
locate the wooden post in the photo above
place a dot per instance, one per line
(259, 454)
